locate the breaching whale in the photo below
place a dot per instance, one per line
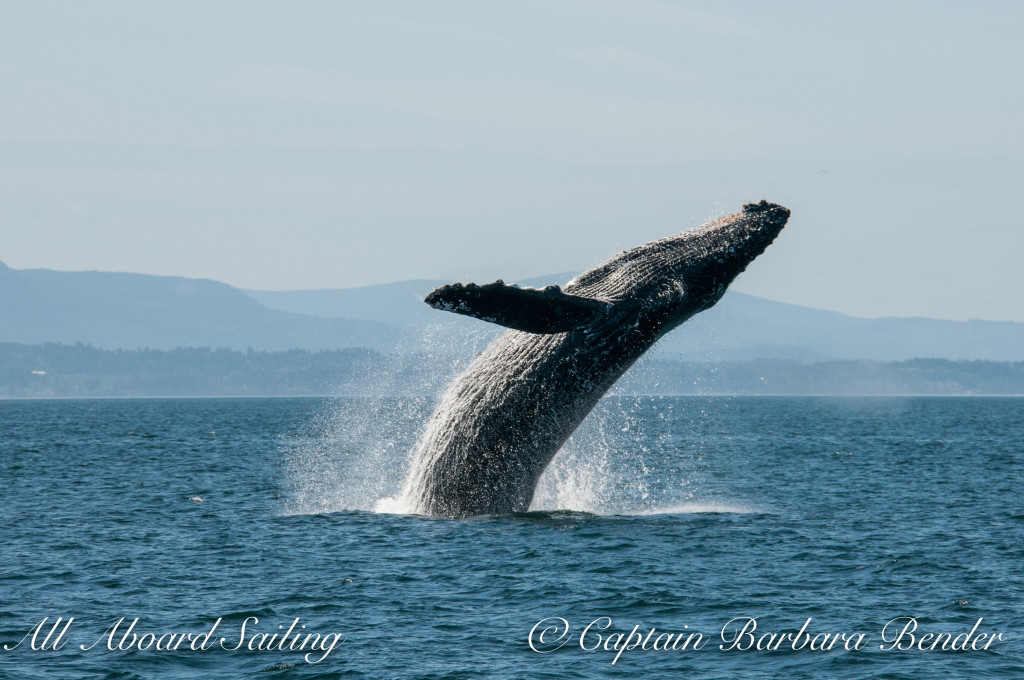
(504, 418)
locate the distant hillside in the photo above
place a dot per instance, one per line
(113, 310)
(740, 327)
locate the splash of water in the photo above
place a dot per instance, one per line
(354, 453)
(631, 455)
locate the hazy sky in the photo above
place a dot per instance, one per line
(325, 144)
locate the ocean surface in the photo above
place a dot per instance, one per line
(694, 517)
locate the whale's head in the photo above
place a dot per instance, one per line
(684, 274)
(709, 258)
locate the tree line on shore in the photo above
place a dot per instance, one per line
(59, 371)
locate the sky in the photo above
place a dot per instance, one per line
(294, 145)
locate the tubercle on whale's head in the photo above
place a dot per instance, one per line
(712, 256)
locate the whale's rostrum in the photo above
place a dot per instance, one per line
(505, 417)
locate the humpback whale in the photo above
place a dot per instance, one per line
(505, 417)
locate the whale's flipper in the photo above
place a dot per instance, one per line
(525, 309)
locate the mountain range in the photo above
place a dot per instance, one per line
(131, 311)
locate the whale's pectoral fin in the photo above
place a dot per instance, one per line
(525, 309)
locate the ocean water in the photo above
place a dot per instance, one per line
(696, 517)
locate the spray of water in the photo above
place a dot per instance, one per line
(631, 455)
(353, 454)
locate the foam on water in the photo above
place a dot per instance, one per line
(392, 505)
(706, 507)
